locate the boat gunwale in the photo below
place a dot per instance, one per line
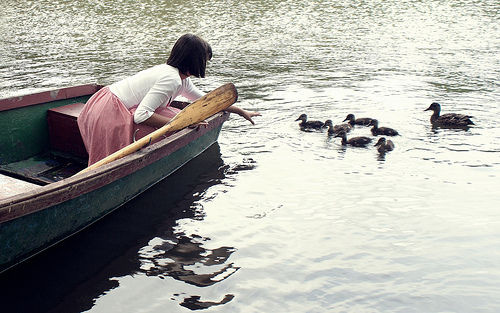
(74, 186)
(15, 102)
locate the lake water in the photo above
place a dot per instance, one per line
(274, 219)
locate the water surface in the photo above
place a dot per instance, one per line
(273, 219)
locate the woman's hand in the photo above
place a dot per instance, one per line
(243, 113)
(248, 115)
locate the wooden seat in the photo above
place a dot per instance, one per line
(11, 186)
(64, 134)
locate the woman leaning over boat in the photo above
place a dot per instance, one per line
(109, 117)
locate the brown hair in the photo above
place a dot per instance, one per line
(190, 54)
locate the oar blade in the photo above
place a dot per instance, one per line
(213, 102)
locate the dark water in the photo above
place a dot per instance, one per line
(274, 219)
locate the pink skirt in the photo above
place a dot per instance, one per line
(106, 125)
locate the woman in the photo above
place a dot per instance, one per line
(108, 120)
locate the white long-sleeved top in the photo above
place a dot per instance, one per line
(151, 88)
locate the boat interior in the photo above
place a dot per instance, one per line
(64, 156)
(58, 154)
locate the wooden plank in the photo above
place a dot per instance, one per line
(11, 186)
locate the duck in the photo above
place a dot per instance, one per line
(354, 141)
(382, 130)
(364, 121)
(448, 119)
(309, 124)
(384, 145)
(335, 129)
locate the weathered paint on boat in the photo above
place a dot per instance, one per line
(32, 221)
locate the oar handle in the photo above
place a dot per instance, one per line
(213, 102)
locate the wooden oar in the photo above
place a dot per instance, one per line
(215, 101)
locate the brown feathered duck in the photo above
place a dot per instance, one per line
(384, 145)
(305, 124)
(382, 130)
(335, 129)
(354, 141)
(448, 119)
(364, 121)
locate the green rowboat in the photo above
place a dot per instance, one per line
(42, 201)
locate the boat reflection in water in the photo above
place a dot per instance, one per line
(140, 238)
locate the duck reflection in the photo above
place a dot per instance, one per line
(436, 128)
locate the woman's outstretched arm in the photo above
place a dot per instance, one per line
(243, 113)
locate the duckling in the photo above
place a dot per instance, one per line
(335, 129)
(364, 121)
(354, 141)
(309, 124)
(448, 119)
(384, 145)
(382, 130)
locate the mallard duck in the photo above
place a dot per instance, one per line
(448, 119)
(384, 145)
(382, 130)
(309, 124)
(364, 121)
(354, 141)
(335, 129)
